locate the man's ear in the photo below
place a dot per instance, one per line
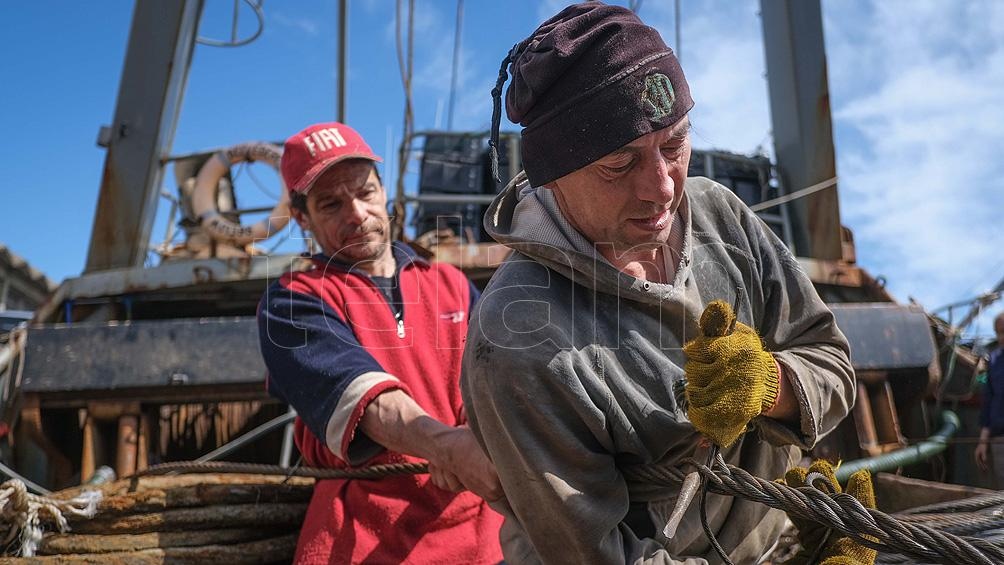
(300, 216)
(549, 186)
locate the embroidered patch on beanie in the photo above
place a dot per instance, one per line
(586, 82)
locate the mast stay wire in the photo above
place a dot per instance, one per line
(456, 62)
(405, 60)
(830, 182)
(258, 183)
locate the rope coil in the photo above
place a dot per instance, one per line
(24, 513)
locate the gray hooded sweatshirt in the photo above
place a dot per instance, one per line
(569, 369)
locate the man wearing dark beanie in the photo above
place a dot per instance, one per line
(622, 285)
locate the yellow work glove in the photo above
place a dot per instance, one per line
(839, 549)
(730, 378)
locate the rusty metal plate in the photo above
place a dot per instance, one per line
(886, 337)
(180, 353)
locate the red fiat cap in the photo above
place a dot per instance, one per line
(316, 149)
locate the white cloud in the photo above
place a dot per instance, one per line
(917, 108)
(434, 39)
(425, 21)
(722, 55)
(303, 25)
(916, 91)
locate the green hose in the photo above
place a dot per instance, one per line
(906, 456)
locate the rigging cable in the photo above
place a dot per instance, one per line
(405, 60)
(261, 186)
(831, 182)
(456, 62)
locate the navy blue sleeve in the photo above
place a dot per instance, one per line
(311, 354)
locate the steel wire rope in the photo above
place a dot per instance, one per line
(839, 511)
(842, 512)
(714, 456)
(248, 437)
(979, 502)
(458, 27)
(953, 342)
(244, 166)
(264, 190)
(30, 485)
(405, 60)
(261, 186)
(371, 472)
(812, 189)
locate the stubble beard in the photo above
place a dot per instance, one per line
(367, 251)
(655, 241)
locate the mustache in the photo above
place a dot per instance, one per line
(648, 212)
(376, 227)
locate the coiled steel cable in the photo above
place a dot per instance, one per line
(842, 512)
(920, 537)
(971, 504)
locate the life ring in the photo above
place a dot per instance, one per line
(204, 195)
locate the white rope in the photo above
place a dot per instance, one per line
(23, 513)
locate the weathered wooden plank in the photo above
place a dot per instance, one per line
(161, 482)
(274, 515)
(56, 544)
(156, 500)
(273, 550)
(895, 493)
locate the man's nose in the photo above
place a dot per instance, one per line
(656, 183)
(356, 211)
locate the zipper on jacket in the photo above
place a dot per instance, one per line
(397, 313)
(399, 316)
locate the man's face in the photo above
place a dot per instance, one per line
(627, 198)
(347, 213)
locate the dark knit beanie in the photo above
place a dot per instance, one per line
(588, 81)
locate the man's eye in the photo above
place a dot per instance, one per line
(672, 152)
(618, 168)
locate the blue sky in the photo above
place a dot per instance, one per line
(916, 91)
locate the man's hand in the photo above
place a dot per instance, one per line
(730, 378)
(982, 455)
(839, 549)
(457, 463)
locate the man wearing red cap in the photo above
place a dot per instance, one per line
(621, 289)
(366, 347)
